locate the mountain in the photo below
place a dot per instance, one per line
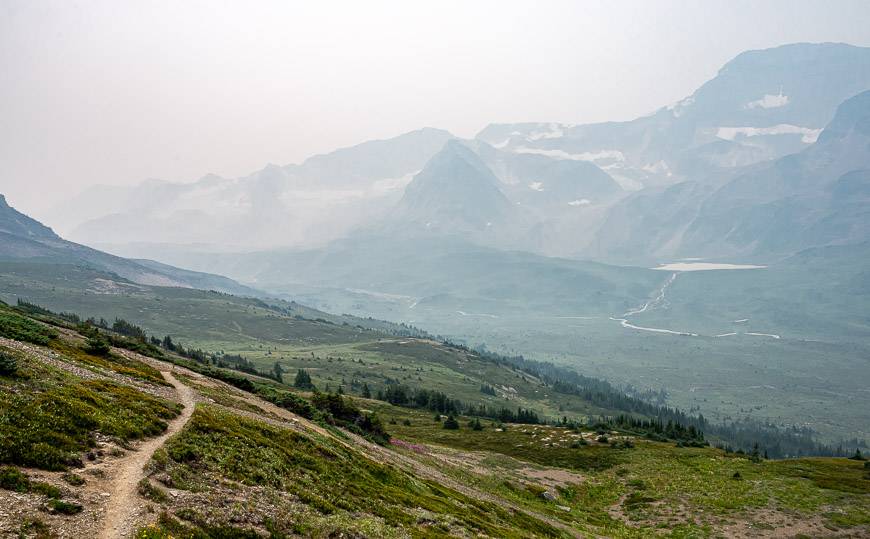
(593, 190)
(315, 201)
(15, 223)
(815, 197)
(762, 105)
(454, 193)
(25, 239)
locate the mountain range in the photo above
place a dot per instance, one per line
(628, 192)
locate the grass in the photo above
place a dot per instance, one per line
(151, 492)
(653, 483)
(523, 442)
(48, 417)
(327, 477)
(73, 479)
(64, 508)
(16, 481)
(37, 528)
(113, 362)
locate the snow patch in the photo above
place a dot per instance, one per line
(658, 168)
(536, 186)
(769, 102)
(554, 130)
(808, 134)
(580, 202)
(502, 144)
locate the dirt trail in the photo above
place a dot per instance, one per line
(124, 502)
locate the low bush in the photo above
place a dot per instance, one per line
(20, 328)
(48, 428)
(64, 508)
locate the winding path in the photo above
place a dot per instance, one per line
(124, 502)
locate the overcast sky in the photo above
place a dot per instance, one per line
(118, 91)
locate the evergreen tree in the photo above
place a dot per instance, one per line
(366, 392)
(278, 372)
(303, 380)
(450, 423)
(8, 365)
(97, 345)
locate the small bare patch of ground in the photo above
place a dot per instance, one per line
(770, 523)
(552, 477)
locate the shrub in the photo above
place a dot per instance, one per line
(8, 364)
(73, 479)
(450, 423)
(19, 328)
(149, 491)
(12, 479)
(49, 491)
(34, 526)
(15, 480)
(97, 345)
(64, 508)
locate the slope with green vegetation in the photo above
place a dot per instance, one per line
(260, 458)
(348, 352)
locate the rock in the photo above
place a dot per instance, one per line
(549, 495)
(164, 478)
(564, 508)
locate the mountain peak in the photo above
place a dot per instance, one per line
(792, 54)
(455, 190)
(16, 223)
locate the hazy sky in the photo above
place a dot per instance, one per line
(119, 91)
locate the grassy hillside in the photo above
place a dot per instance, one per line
(243, 463)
